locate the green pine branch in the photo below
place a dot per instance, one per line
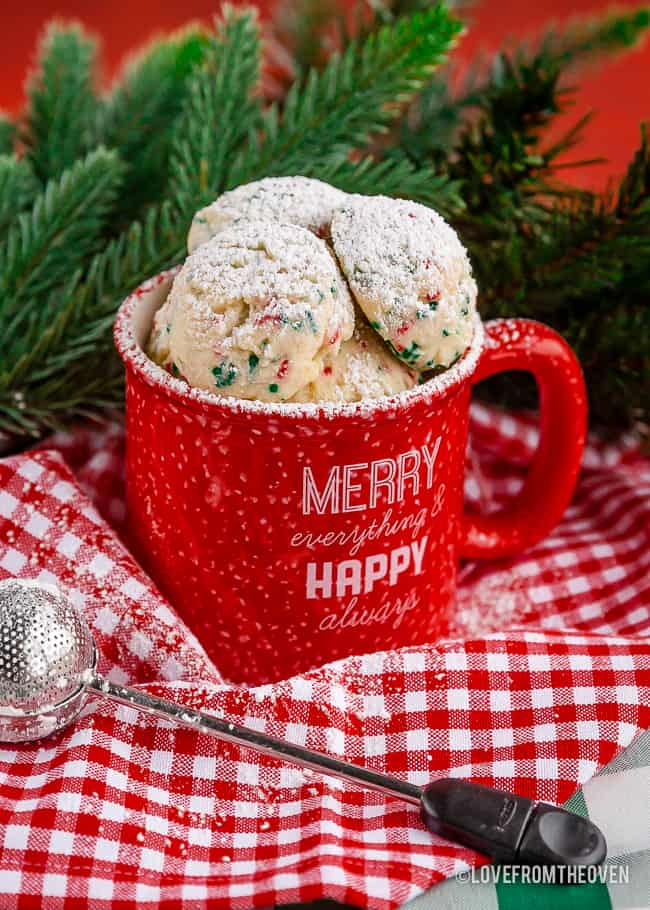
(139, 116)
(593, 38)
(584, 270)
(437, 115)
(52, 377)
(221, 111)
(43, 247)
(355, 97)
(18, 188)
(396, 176)
(62, 109)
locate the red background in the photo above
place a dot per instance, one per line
(617, 92)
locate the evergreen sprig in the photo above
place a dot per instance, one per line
(330, 113)
(7, 136)
(221, 111)
(44, 246)
(395, 175)
(18, 187)
(138, 117)
(60, 126)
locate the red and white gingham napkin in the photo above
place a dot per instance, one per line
(546, 677)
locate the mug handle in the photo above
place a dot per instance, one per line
(523, 344)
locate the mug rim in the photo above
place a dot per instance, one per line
(202, 401)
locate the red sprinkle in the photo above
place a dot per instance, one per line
(327, 371)
(411, 215)
(427, 263)
(335, 337)
(283, 369)
(268, 317)
(405, 326)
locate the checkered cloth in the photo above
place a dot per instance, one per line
(624, 880)
(545, 678)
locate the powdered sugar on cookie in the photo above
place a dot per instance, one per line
(254, 311)
(302, 201)
(364, 369)
(410, 275)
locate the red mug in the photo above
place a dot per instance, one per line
(290, 535)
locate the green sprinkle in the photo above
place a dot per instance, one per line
(375, 325)
(321, 296)
(253, 360)
(312, 322)
(274, 387)
(224, 374)
(409, 354)
(464, 311)
(175, 370)
(433, 305)
(169, 326)
(446, 333)
(333, 289)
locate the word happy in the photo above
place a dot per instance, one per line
(357, 487)
(359, 576)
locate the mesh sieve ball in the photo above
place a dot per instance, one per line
(46, 651)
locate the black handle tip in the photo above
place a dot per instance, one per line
(557, 837)
(510, 828)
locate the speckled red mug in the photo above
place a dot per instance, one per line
(290, 535)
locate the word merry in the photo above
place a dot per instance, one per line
(356, 576)
(356, 487)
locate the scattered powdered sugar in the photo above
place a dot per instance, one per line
(298, 200)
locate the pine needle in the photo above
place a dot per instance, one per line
(44, 246)
(138, 117)
(353, 98)
(220, 112)
(62, 103)
(18, 188)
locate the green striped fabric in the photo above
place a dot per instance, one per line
(618, 801)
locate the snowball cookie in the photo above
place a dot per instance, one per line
(293, 200)
(254, 311)
(363, 369)
(410, 275)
